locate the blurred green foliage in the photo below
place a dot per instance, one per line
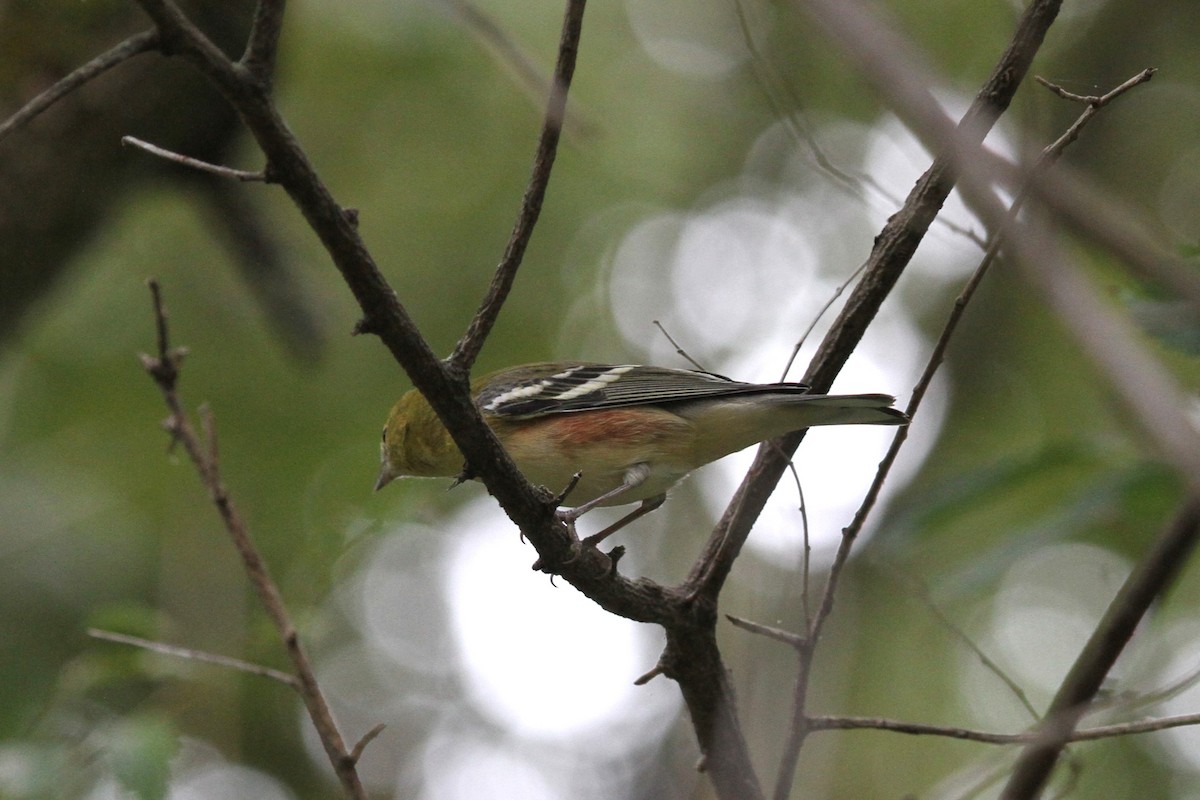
(412, 122)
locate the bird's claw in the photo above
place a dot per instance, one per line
(577, 549)
(567, 517)
(466, 474)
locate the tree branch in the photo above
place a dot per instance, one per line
(135, 45)
(477, 332)
(1148, 581)
(445, 387)
(196, 655)
(1146, 389)
(1048, 157)
(987, 737)
(164, 369)
(262, 45)
(894, 248)
(688, 614)
(194, 163)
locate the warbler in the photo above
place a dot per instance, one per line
(615, 433)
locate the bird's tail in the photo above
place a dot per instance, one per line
(742, 421)
(848, 409)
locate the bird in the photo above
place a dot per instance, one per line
(615, 433)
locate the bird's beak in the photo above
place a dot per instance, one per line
(386, 476)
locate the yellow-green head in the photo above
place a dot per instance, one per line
(416, 443)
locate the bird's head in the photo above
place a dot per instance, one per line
(415, 443)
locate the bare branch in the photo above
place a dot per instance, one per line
(988, 662)
(368, 737)
(446, 387)
(1141, 383)
(135, 45)
(196, 655)
(1149, 579)
(163, 368)
(477, 332)
(1048, 157)
(1097, 101)
(987, 737)
(892, 252)
(194, 163)
(263, 43)
(1147, 390)
(769, 631)
(508, 52)
(1094, 104)
(679, 351)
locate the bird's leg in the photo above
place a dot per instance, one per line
(635, 476)
(648, 505)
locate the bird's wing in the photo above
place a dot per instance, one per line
(544, 389)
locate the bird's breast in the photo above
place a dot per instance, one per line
(602, 446)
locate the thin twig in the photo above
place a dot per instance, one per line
(989, 664)
(1145, 388)
(649, 675)
(1145, 584)
(769, 631)
(135, 45)
(1049, 155)
(262, 46)
(361, 745)
(851, 183)
(196, 655)
(769, 83)
(1098, 101)
(1094, 104)
(1152, 698)
(841, 288)
(987, 737)
(195, 163)
(679, 351)
(468, 347)
(164, 369)
(806, 544)
(893, 250)
(534, 83)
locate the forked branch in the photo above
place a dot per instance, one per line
(163, 367)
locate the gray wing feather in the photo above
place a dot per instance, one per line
(588, 387)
